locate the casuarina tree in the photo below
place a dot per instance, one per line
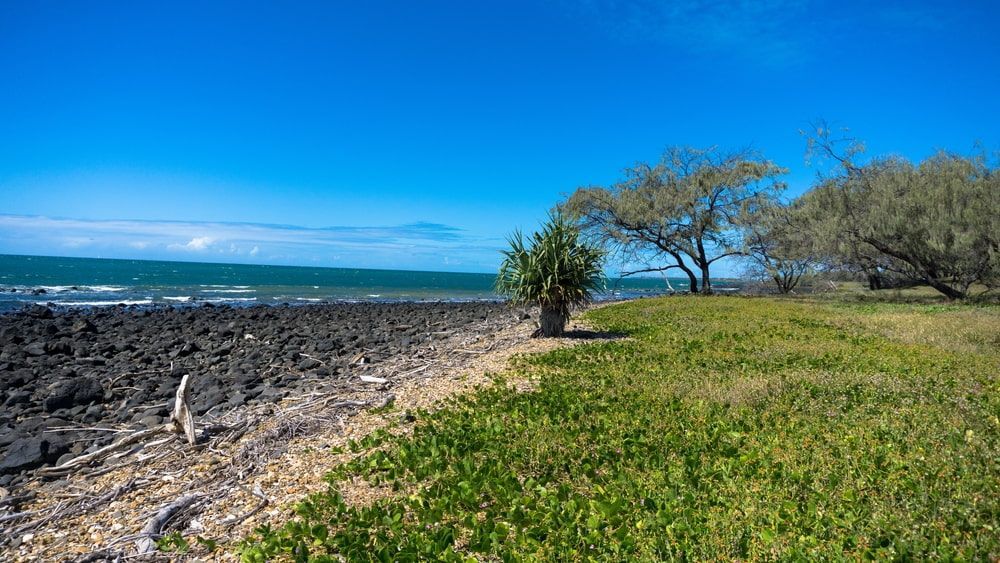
(684, 212)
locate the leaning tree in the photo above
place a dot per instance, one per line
(937, 221)
(777, 245)
(683, 213)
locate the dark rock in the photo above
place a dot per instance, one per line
(59, 347)
(40, 312)
(93, 413)
(309, 363)
(35, 349)
(77, 391)
(326, 345)
(151, 421)
(82, 326)
(17, 398)
(25, 453)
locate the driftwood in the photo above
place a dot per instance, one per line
(183, 420)
(147, 540)
(102, 453)
(373, 379)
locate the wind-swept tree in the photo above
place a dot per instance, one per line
(683, 212)
(555, 270)
(938, 221)
(777, 245)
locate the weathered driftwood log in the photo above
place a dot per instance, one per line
(96, 455)
(153, 528)
(182, 418)
(182, 422)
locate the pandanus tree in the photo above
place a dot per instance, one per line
(553, 269)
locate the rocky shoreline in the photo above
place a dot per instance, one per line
(69, 379)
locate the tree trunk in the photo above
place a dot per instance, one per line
(552, 320)
(947, 290)
(701, 260)
(706, 280)
(692, 280)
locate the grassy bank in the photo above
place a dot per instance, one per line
(722, 428)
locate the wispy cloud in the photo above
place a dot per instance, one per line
(767, 32)
(415, 245)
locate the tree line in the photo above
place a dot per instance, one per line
(883, 219)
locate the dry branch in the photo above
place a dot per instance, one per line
(146, 543)
(102, 453)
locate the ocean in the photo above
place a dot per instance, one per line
(92, 282)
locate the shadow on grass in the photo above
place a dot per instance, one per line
(583, 334)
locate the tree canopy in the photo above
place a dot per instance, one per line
(937, 222)
(683, 212)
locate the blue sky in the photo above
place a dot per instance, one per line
(417, 135)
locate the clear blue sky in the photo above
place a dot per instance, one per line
(418, 134)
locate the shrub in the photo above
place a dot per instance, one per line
(554, 270)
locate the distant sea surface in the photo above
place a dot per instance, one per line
(92, 282)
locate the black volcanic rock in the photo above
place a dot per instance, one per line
(76, 391)
(25, 453)
(83, 325)
(88, 367)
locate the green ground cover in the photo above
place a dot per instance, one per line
(722, 428)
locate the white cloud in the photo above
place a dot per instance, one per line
(196, 244)
(412, 246)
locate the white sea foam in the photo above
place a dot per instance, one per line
(181, 298)
(311, 299)
(374, 295)
(229, 300)
(228, 290)
(84, 288)
(56, 288)
(103, 303)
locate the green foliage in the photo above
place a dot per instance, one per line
(937, 222)
(554, 270)
(684, 212)
(173, 542)
(777, 245)
(722, 429)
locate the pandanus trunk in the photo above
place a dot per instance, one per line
(553, 320)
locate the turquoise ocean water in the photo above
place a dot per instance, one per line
(97, 282)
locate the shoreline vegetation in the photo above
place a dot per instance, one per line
(719, 428)
(812, 425)
(732, 427)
